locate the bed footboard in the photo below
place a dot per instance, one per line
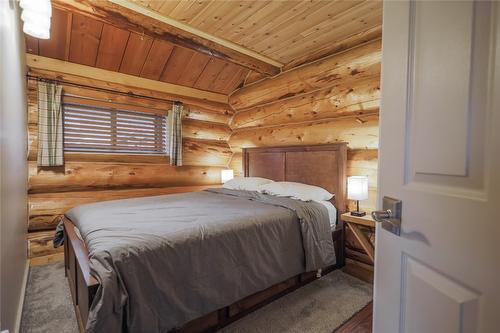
(82, 284)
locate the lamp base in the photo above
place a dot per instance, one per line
(358, 213)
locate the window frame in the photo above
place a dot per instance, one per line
(122, 132)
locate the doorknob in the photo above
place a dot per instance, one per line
(390, 216)
(380, 215)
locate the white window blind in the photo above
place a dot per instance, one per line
(91, 128)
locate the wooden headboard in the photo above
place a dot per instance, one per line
(320, 165)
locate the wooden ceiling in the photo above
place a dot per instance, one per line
(108, 35)
(285, 30)
(83, 40)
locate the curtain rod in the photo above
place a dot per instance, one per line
(40, 78)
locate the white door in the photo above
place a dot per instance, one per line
(440, 155)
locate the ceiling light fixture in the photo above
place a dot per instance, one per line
(36, 16)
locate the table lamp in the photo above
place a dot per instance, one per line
(226, 174)
(357, 189)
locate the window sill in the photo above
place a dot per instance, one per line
(117, 158)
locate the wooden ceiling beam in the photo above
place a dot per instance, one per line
(59, 66)
(128, 15)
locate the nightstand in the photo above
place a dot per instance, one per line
(360, 258)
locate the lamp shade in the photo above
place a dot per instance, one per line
(357, 187)
(226, 174)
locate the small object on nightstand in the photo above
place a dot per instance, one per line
(357, 189)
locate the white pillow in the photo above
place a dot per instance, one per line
(246, 183)
(298, 191)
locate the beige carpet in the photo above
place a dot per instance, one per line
(318, 307)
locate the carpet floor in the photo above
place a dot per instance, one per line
(318, 307)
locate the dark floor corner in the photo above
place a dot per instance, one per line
(360, 322)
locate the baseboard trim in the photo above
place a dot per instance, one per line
(17, 325)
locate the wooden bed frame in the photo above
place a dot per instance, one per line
(321, 165)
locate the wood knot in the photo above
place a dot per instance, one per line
(359, 120)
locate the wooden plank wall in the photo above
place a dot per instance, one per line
(330, 100)
(89, 178)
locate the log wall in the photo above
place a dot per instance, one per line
(333, 99)
(87, 178)
(330, 100)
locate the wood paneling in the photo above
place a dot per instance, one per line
(46, 208)
(209, 75)
(253, 77)
(130, 16)
(335, 47)
(56, 46)
(84, 40)
(81, 176)
(47, 259)
(293, 32)
(132, 93)
(111, 47)
(176, 64)
(40, 244)
(359, 134)
(32, 44)
(206, 152)
(135, 55)
(355, 98)
(193, 70)
(157, 58)
(58, 66)
(205, 130)
(225, 77)
(343, 68)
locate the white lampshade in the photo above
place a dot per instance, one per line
(357, 187)
(226, 174)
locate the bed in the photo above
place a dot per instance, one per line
(221, 288)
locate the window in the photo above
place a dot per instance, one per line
(91, 127)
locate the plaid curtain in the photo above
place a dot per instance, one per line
(175, 134)
(50, 125)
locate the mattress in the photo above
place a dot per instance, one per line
(332, 217)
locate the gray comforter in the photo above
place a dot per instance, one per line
(163, 261)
